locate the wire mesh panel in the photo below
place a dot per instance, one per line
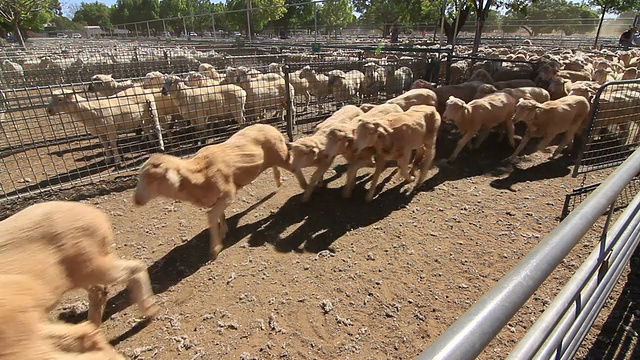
(579, 194)
(61, 136)
(612, 133)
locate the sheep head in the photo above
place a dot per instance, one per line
(484, 90)
(59, 101)
(338, 142)
(304, 153)
(153, 80)
(525, 110)
(367, 134)
(454, 109)
(102, 83)
(164, 175)
(171, 84)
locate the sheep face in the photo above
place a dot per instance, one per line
(306, 73)
(171, 84)
(453, 110)
(158, 177)
(275, 68)
(194, 79)
(366, 135)
(484, 90)
(153, 80)
(525, 110)
(303, 154)
(59, 102)
(100, 83)
(338, 142)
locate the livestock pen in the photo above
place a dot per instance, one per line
(332, 278)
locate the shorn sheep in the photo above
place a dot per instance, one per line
(69, 245)
(395, 136)
(480, 115)
(318, 84)
(266, 92)
(213, 176)
(27, 334)
(566, 115)
(106, 116)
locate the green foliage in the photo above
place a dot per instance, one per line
(64, 23)
(127, 11)
(95, 13)
(259, 16)
(296, 16)
(336, 13)
(615, 6)
(21, 15)
(546, 16)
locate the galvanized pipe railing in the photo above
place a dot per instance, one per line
(473, 331)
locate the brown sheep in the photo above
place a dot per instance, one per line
(214, 175)
(566, 115)
(480, 115)
(25, 332)
(395, 136)
(68, 245)
(414, 97)
(536, 93)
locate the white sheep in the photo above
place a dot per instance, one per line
(398, 80)
(374, 80)
(345, 86)
(199, 104)
(300, 86)
(318, 84)
(195, 79)
(13, 73)
(209, 71)
(265, 92)
(69, 245)
(414, 97)
(106, 116)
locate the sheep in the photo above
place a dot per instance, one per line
(559, 87)
(105, 117)
(168, 111)
(265, 92)
(194, 79)
(300, 86)
(465, 91)
(398, 80)
(213, 176)
(318, 84)
(340, 142)
(395, 136)
(346, 86)
(198, 104)
(13, 72)
(366, 107)
(209, 71)
(629, 74)
(536, 93)
(69, 245)
(516, 83)
(574, 75)
(602, 76)
(26, 333)
(309, 151)
(566, 115)
(106, 85)
(415, 97)
(374, 80)
(480, 115)
(481, 75)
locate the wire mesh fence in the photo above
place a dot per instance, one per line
(612, 133)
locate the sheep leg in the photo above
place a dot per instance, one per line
(420, 151)
(461, 143)
(545, 142)
(523, 143)
(566, 139)
(307, 100)
(224, 228)
(380, 166)
(352, 171)
(214, 215)
(403, 164)
(277, 176)
(511, 131)
(81, 337)
(425, 166)
(316, 178)
(300, 177)
(484, 133)
(111, 270)
(97, 301)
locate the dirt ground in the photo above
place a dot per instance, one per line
(341, 279)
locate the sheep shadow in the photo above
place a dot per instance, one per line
(331, 218)
(546, 170)
(179, 263)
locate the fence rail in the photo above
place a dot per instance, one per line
(563, 325)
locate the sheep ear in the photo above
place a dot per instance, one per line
(174, 178)
(450, 97)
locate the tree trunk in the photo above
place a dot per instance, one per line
(529, 31)
(448, 28)
(481, 17)
(16, 28)
(386, 30)
(595, 43)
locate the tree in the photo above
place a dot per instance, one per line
(389, 12)
(612, 6)
(93, 14)
(259, 16)
(336, 13)
(547, 16)
(297, 15)
(27, 14)
(64, 23)
(129, 11)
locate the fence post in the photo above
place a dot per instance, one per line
(289, 100)
(213, 20)
(148, 30)
(447, 78)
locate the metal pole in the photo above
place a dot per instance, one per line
(148, 30)
(164, 27)
(315, 21)
(249, 20)
(213, 20)
(442, 19)
(136, 25)
(455, 29)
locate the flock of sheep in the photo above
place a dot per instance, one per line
(51, 248)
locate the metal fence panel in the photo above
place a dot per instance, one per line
(612, 132)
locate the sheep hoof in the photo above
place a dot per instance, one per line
(215, 252)
(151, 311)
